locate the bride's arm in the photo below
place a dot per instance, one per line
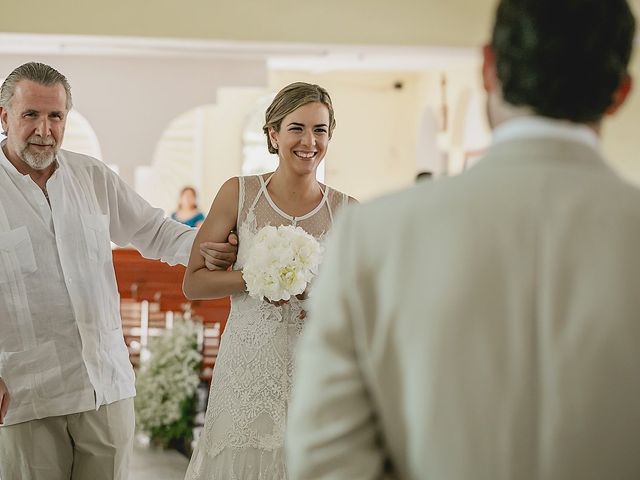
(199, 282)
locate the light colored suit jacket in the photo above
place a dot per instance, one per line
(482, 327)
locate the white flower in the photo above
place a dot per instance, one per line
(170, 377)
(281, 262)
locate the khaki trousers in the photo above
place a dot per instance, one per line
(93, 445)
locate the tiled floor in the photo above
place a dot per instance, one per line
(151, 464)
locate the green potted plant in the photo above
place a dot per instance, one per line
(166, 387)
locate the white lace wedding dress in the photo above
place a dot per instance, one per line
(243, 436)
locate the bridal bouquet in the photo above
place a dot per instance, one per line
(281, 262)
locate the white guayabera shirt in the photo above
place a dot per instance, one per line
(61, 344)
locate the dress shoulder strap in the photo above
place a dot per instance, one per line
(336, 200)
(325, 193)
(262, 191)
(241, 194)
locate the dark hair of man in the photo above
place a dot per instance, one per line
(562, 58)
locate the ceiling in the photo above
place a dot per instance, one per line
(287, 34)
(444, 23)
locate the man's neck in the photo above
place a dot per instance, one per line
(594, 126)
(501, 112)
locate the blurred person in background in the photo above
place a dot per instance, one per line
(187, 211)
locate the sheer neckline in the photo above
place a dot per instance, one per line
(286, 215)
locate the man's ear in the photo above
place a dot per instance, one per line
(489, 75)
(620, 95)
(4, 113)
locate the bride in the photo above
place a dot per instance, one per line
(243, 436)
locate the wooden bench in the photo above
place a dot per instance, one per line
(148, 290)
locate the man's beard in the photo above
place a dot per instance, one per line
(39, 160)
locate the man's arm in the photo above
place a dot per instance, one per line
(332, 433)
(132, 220)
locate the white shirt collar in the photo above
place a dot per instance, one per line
(4, 161)
(536, 127)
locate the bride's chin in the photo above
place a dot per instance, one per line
(306, 165)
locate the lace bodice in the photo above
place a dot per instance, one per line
(245, 422)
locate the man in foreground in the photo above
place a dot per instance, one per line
(498, 337)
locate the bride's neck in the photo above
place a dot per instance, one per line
(294, 187)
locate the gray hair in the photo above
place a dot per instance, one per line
(36, 72)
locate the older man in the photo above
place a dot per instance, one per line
(66, 384)
(499, 338)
